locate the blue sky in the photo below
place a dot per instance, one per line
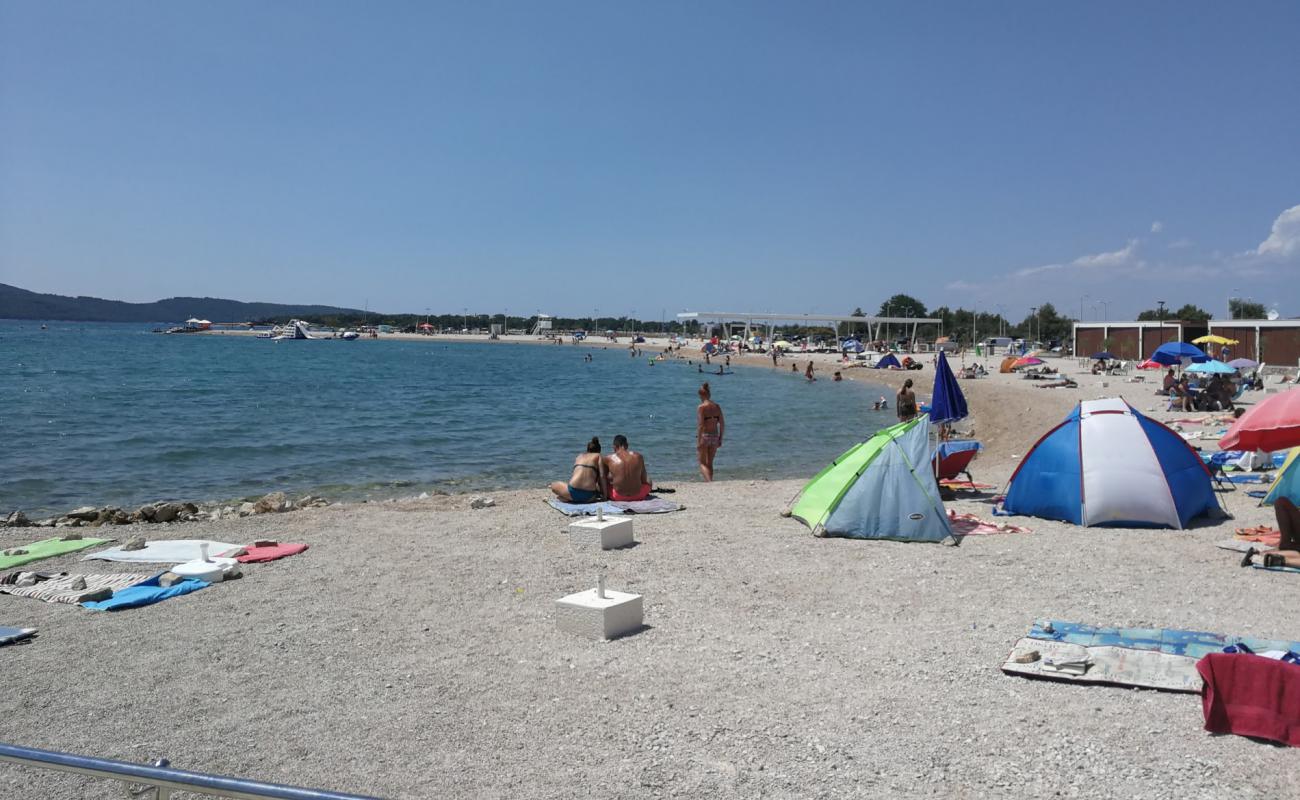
(656, 157)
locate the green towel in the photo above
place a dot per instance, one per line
(47, 548)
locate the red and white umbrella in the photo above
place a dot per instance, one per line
(1271, 425)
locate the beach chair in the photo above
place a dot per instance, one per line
(953, 458)
(1218, 474)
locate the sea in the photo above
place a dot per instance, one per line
(114, 414)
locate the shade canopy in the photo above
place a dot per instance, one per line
(1149, 364)
(1027, 361)
(783, 344)
(1214, 338)
(1104, 355)
(948, 404)
(1243, 363)
(1171, 353)
(1274, 424)
(1212, 367)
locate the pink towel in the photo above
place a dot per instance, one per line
(1251, 696)
(971, 525)
(256, 555)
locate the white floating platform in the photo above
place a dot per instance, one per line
(589, 615)
(609, 533)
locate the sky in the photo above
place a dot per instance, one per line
(651, 158)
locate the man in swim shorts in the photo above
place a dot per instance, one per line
(628, 480)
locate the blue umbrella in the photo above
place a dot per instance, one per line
(888, 361)
(1171, 353)
(1243, 363)
(947, 403)
(1213, 366)
(1104, 355)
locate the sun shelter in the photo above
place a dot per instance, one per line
(888, 361)
(1175, 353)
(1008, 363)
(1107, 464)
(880, 489)
(1287, 482)
(947, 403)
(1272, 424)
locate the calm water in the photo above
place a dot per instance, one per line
(107, 413)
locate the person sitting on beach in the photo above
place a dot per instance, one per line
(1170, 380)
(709, 426)
(905, 402)
(628, 480)
(587, 483)
(1287, 553)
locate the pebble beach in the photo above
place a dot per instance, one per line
(412, 651)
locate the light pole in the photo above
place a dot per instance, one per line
(1230, 294)
(465, 313)
(1002, 319)
(1161, 312)
(1033, 314)
(1081, 299)
(1105, 310)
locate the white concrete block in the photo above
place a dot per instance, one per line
(594, 617)
(607, 534)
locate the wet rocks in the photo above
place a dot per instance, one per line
(17, 520)
(273, 503)
(84, 514)
(482, 502)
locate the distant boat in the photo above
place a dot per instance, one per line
(349, 336)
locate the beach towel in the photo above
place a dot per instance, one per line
(1251, 695)
(146, 593)
(950, 483)
(48, 548)
(971, 525)
(168, 551)
(651, 505)
(59, 589)
(1164, 640)
(1117, 666)
(1247, 478)
(272, 552)
(1262, 534)
(1276, 569)
(10, 635)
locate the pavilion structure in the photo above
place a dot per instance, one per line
(878, 328)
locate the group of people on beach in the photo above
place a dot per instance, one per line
(622, 476)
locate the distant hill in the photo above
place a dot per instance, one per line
(18, 303)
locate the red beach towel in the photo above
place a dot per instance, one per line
(1251, 696)
(271, 552)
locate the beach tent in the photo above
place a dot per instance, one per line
(887, 361)
(880, 489)
(1287, 482)
(1106, 464)
(1008, 363)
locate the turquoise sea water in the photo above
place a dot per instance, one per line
(112, 414)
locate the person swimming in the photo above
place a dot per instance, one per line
(588, 482)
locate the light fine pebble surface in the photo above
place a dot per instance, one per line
(412, 652)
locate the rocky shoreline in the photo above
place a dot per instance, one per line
(165, 512)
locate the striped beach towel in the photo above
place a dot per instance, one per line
(59, 589)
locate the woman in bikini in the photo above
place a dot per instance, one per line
(709, 426)
(587, 483)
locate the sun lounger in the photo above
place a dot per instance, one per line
(60, 588)
(169, 551)
(47, 548)
(146, 593)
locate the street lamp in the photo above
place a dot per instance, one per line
(1230, 294)
(1033, 315)
(465, 312)
(1161, 312)
(1081, 299)
(1105, 310)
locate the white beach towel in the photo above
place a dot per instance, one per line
(169, 551)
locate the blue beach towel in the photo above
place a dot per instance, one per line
(1165, 640)
(146, 593)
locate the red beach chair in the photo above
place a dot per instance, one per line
(952, 460)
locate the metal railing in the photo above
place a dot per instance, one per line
(158, 781)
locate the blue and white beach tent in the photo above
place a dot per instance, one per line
(1106, 464)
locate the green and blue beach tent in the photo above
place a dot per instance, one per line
(883, 488)
(1287, 482)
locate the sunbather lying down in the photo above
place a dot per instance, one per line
(1065, 383)
(1287, 553)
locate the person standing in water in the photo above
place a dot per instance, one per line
(808, 373)
(709, 425)
(905, 402)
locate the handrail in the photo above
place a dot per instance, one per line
(164, 778)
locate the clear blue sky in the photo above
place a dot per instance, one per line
(659, 156)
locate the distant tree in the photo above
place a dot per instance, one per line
(1045, 324)
(1245, 309)
(857, 312)
(901, 305)
(1189, 312)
